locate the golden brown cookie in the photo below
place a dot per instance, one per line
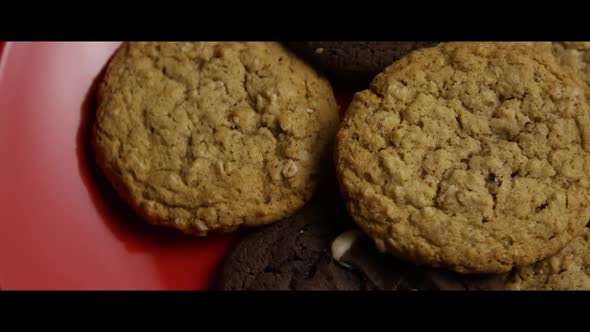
(208, 136)
(569, 269)
(576, 56)
(471, 156)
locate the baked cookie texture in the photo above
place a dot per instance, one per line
(470, 156)
(569, 269)
(292, 254)
(574, 55)
(308, 252)
(354, 61)
(208, 136)
(380, 271)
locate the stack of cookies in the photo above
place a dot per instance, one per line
(456, 166)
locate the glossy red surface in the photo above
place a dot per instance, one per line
(61, 224)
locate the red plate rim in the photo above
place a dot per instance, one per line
(2, 44)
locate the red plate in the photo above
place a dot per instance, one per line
(61, 225)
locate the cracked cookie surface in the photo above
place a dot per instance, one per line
(569, 269)
(209, 136)
(575, 55)
(298, 254)
(471, 156)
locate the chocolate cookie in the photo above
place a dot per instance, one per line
(354, 62)
(470, 156)
(308, 252)
(209, 136)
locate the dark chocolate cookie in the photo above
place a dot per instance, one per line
(293, 254)
(309, 251)
(354, 61)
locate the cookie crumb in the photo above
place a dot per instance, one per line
(185, 47)
(575, 93)
(309, 110)
(343, 243)
(221, 168)
(201, 225)
(290, 169)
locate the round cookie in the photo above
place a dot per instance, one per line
(300, 253)
(208, 136)
(354, 61)
(471, 156)
(569, 269)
